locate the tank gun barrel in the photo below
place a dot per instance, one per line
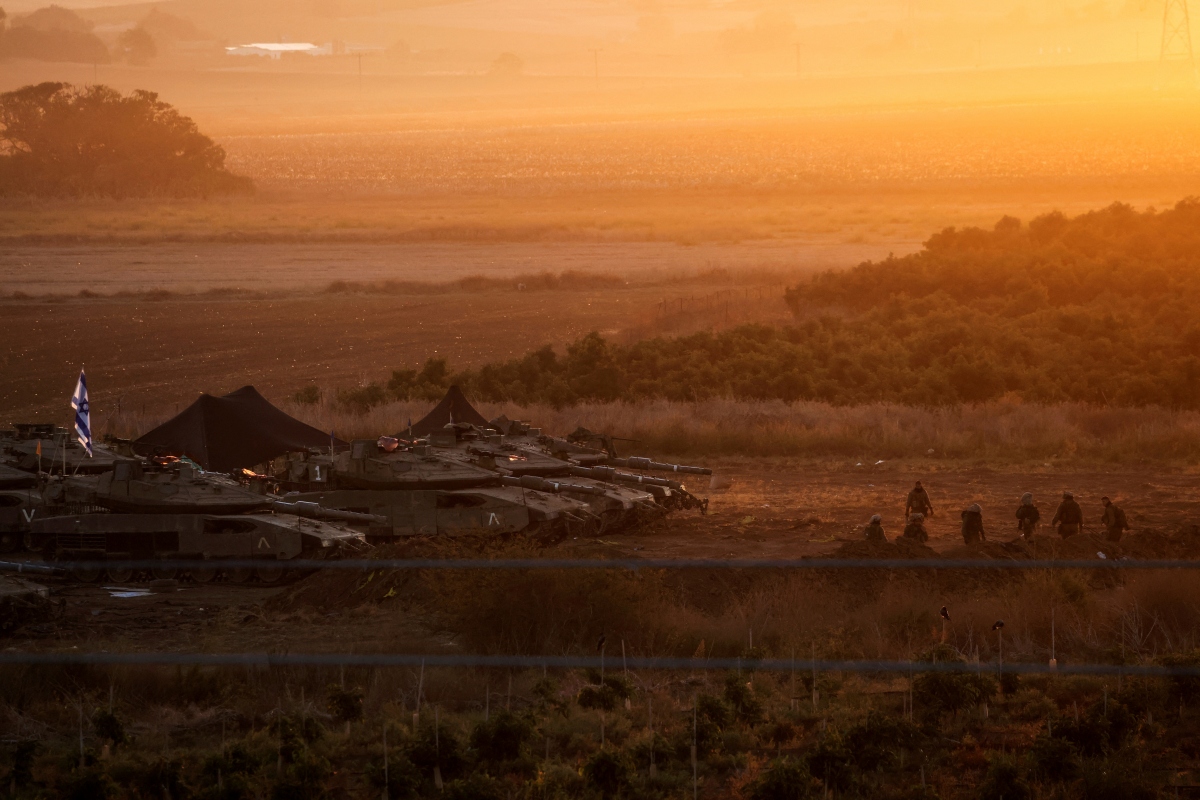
(36, 569)
(306, 508)
(554, 487)
(636, 462)
(612, 475)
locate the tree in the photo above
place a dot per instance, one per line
(52, 34)
(62, 140)
(136, 46)
(508, 65)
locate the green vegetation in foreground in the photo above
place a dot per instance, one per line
(1051, 738)
(143, 732)
(1099, 309)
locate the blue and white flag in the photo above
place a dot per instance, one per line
(83, 413)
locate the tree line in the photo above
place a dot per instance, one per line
(1099, 308)
(55, 33)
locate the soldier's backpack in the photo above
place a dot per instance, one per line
(1119, 518)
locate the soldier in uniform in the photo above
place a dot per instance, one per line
(915, 529)
(1027, 515)
(1114, 520)
(874, 530)
(972, 524)
(1068, 517)
(918, 502)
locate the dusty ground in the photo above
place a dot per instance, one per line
(774, 509)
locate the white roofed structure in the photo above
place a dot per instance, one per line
(278, 49)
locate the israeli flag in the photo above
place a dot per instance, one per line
(83, 413)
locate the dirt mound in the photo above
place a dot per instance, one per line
(899, 548)
(1149, 544)
(332, 589)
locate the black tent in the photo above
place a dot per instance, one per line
(454, 407)
(239, 430)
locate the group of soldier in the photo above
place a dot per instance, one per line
(1068, 519)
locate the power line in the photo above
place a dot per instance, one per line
(9, 658)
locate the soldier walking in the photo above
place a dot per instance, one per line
(972, 524)
(1068, 517)
(1027, 515)
(874, 530)
(918, 502)
(915, 529)
(1115, 522)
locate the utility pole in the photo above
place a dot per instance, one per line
(1175, 54)
(596, 61)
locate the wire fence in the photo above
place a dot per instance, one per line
(629, 564)
(9, 658)
(15, 658)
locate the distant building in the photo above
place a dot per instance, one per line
(278, 49)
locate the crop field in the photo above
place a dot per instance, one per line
(154, 351)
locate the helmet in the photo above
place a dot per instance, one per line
(1027, 499)
(1068, 496)
(876, 518)
(974, 507)
(917, 517)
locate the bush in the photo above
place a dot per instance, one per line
(441, 748)
(475, 787)
(303, 779)
(607, 771)
(1004, 780)
(1098, 730)
(783, 780)
(1186, 686)
(832, 762)
(21, 774)
(501, 738)
(403, 779)
(949, 692)
(874, 743)
(308, 396)
(1103, 781)
(1054, 759)
(739, 695)
(108, 727)
(604, 695)
(345, 705)
(89, 784)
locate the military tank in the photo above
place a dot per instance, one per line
(525, 450)
(419, 492)
(141, 512)
(60, 453)
(18, 508)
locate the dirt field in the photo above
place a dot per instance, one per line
(288, 268)
(775, 509)
(158, 353)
